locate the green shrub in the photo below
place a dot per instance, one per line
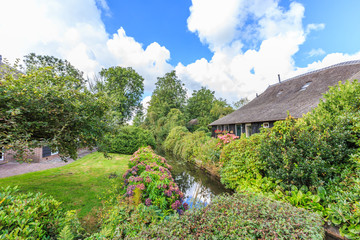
(299, 155)
(33, 216)
(127, 140)
(241, 162)
(175, 136)
(126, 221)
(240, 216)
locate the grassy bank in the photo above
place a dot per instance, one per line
(77, 185)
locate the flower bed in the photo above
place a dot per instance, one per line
(149, 181)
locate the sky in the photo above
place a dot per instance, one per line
(236, 48)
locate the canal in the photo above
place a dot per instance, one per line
(197, 185)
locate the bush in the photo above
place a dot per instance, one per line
(127, 139)
(149, 181)
(174, 137)
(240, 216)
(241, 162)
(126, 221)
(192, 146)
(33, 216)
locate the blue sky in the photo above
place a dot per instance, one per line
(233, 47)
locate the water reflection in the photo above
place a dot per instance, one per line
(196, 184)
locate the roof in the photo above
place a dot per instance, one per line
(288, 96)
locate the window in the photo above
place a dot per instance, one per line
(1, 155)
(238, 130)
(305, 86)
(46, 152)
(266, 125)
(248, 129)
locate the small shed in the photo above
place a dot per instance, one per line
(296, 96)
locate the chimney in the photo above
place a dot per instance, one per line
(279, 78)
(0, 59)
(257, 95)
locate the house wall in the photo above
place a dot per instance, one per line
(35, 156)
(255, 127)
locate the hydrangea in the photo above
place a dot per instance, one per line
(176, 205)
(148, 202)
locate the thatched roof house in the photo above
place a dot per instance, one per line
(297, 95)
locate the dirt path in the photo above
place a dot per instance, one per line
(14, 168)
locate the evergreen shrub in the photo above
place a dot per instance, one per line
(127, 139)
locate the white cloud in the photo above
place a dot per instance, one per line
(232, 72)
(316, 52)
(74, 30)
(314, 27)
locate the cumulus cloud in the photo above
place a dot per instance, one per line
(234, 72)
(73, 30)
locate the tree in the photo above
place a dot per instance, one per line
(169, 93)
(139, 117)
(199, 106)
(60, 67)
(220, 108)
(241, 102)
(125, 87)
(42, 107)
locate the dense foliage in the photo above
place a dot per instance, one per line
(189, 146)
(127, 140)
(34, 216)
(149, 181)
(44, 107)
(125, 87)
(311, 162)
(240, 216)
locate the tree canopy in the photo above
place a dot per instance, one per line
(169, 93)
(125, 87)
(42, 107)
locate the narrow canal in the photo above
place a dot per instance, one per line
(195, 183)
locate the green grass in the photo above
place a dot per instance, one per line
(77, 185)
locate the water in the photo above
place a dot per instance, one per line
(196, 184)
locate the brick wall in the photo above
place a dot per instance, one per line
(35, 155)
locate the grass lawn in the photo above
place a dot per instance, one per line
(78, 185)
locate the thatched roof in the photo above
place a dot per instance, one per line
(288, 96)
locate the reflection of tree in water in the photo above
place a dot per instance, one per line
(192, 180)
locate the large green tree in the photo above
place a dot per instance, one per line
(60, 67)
(169, 93)
(42, 107)
(199, 106)
(125, 87)
(220, 108)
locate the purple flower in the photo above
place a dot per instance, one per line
(180, 211)
(186, 206)
(148, 180)
(130, 190)
(168, 193)
(148, 202)
(176, 205)
(141, 186)
(147, 168)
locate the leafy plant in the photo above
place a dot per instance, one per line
(127, 140)
(34, 216)
(240, 216)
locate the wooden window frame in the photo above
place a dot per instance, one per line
(247, 125)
